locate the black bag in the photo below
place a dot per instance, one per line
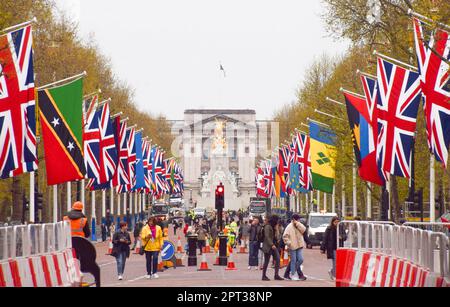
(261, 235)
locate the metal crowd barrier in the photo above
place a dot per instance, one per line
(435, 226)
(34, 239)
(425, 248)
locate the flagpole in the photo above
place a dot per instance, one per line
(388, 188)
(69, 196)
(55, 203)
(424, 18)
(32, 204)
(343, 196)
(325, 207)
(432, 190)
(125, 207)
(355, 209)
(376, 53)
(369, 201)
(116, 115)
(104, 102)
(83, 187)
(111, 202)
(99, 91)
(333, 199)
(79, 76)
(93, 216)
(21, 25)
(316, 122)
(318, 201)
(335, 101)
(119, 212)
(103, 203)
(329, 115)
(307, 202)
(359, 72)
(343, 90)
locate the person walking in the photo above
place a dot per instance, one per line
(201, 237)
(104, 231)
(293, 239)
(136, 233)
(152, 240)
(270, 247)
(246, 233)
(253, 244)
(329, 244)
(121, 248)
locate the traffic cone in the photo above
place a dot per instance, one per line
(160, 264)
(231, 266)
(179, 246)
(242, 248)
(217, 259)
(207, 248)
(204, 264)
(110, 247)
(285, 260)
(179, 258)
(138, 247)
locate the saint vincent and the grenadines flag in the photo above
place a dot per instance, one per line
(323, 157)
(60, 110)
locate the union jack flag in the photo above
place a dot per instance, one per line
(398, 102)
(284, 167)
(435, 82)
(122, 176)
(146, 156)
(100, 147)
(158, 172)
(301, 146)
(131, 145)
(17, 104)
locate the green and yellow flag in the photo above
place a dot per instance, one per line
(323, 157)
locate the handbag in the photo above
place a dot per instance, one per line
(142, 250)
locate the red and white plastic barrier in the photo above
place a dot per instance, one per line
(52, 270)
(366, 269)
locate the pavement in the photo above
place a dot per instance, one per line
(315, 268)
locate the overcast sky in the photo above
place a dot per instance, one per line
(170, 51)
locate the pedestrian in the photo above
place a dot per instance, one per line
(214, 231)
(104, 231)
(152, 240)
(270, 247)
(78, 221)
(176, 225)
(137, 232)
(329, 244)
(293, 239)
(253, 244)
(201, 237)
(246, 233)
(121, 248)
(112, 230)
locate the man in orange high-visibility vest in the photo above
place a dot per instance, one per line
(78, 222)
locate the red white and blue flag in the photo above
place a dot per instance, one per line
(100, 151)
(131, 145)
(301, 146)
(435, 83)
(18, 152)
(122, 176)
(398, 100)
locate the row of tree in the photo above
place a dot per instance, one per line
(393, 36)
(59, 53)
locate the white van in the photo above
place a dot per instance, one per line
(318, 223)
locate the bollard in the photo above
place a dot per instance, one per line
(223, 260)
(192, 250)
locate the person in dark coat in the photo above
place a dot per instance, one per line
(253, 244)
(329, 243)
(121, 248)
(104, 232)
(137, 233)
(270, 247)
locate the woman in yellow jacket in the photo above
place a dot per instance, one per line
(152, 242)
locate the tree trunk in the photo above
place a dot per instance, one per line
(16, 191)
(395, 201)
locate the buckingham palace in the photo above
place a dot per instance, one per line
(221, 146)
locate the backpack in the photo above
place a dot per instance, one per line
(261, 235)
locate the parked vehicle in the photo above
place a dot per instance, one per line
(318, 223)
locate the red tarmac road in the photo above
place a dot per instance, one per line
(315, 267)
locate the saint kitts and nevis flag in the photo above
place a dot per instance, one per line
(60, 110)
(323, 157)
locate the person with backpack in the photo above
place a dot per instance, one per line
(254, 243)
(270, 247)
